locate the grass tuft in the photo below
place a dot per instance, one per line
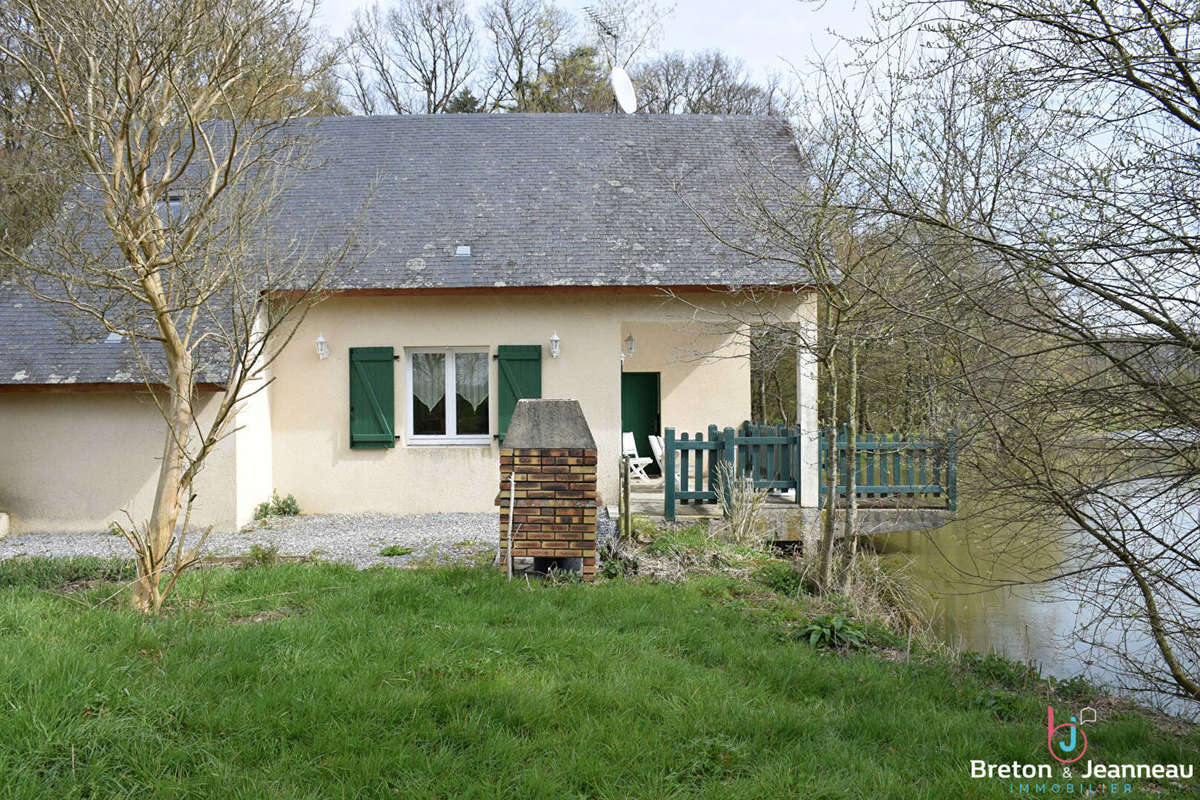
(38, 572)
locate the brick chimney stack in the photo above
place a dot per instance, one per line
(550, 448)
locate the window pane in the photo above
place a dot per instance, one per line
(471, 379)
(429, 394)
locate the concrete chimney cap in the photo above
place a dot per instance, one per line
(548, 425)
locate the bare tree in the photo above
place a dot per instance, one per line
(626, 30)
(526, 38)
(412, 58)
(810, 227)
(1043, 168)
(28, 194)
(707, 83)
(181, 117)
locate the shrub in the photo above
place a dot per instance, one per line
(644, 528)
(833, 631)
(562, 577)
(780, 576)
(261, 556)
(1002, 705)
(743, 524)
(673, 542)
(277, 507)
(871, 587)
(1076, 688)
(1000, 671)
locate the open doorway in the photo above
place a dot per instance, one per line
(641, 412)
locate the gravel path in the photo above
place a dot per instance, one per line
(348, 538)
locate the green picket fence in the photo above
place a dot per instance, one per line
(888, 465)
(767, 454)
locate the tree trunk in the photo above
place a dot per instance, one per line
(828, 519)
(850, 532)
(171, 490)
(762, 395)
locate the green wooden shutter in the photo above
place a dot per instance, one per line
(520, 378)
(372, 397)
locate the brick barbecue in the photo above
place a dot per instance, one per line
(550, 449)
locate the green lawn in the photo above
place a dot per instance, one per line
(301, 681)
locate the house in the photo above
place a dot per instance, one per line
(503, 256)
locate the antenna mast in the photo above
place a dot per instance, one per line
(624, 97)
(607, 28)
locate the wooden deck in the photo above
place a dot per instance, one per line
(898, 471)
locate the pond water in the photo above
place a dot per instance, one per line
(959, 566)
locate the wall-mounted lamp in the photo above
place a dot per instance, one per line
(554, 344)
(630, 345)
(322, 347)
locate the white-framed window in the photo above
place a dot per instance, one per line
(449, 389)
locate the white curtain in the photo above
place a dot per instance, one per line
(471, 375)
(429, 377)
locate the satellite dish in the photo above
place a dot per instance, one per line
(622, 87)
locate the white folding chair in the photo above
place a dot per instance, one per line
(659, 448)
(637, 464)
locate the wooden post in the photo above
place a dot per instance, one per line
(669, 478)
(684, 461)
(798, 460)
(512, 509)
(821, 467)
(713, 458)
(726, 456)
(621, 498)
(626, 516)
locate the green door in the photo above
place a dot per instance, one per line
(640, 407)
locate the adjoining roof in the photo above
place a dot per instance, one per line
(41, 345)
(541, 200)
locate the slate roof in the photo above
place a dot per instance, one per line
(541, 199)
(40, 344)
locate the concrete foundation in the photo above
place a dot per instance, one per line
(794, 523)
(804, 524)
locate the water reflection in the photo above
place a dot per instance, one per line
(960, 566)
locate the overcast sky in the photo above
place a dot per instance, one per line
(765, 34)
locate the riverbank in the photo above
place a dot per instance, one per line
(318, 680)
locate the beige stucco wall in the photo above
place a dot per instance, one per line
(309, 399)
(254, 475)
(705, 376)
(805, 318)
(76, 461)
(251, 440)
